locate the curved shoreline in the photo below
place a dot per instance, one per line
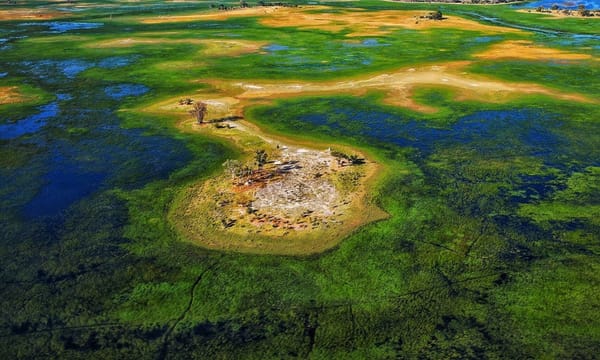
(211, 213)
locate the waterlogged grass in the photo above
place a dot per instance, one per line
(490, 250)
(577, 202)
(553, 297)
(566, 76)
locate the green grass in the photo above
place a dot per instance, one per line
(474, 262)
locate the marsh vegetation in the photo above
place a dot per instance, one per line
(480, 163)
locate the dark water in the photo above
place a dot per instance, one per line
(78, 146)
(500, 135)
(29, 124)
(491, 132)
(108, 156)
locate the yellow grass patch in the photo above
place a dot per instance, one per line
(357, 22)
(367, 23)
(179, 65)
(212, 15)
(10, 95)
(230, 47)
(133, 41)
(30, 14)
(211, 47)
(527, 50)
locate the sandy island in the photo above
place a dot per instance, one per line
(303, 200)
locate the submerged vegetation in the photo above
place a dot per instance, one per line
(487, 171)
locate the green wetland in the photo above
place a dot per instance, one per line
(491, 249)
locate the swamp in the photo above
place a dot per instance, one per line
(320, 180)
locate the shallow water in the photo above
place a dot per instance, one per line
(366, 43)
(48, 69)
(499, 135)
(124, 90)
(80, 147)
(489, 131)
(115, 62)
(275, 47)
(59, 27)
(108, 157)
(30, 124)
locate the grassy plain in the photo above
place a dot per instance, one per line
(490, 249)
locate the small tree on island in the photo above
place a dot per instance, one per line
(437, 15)
(199, 111)
(261, 158)
(233, 167)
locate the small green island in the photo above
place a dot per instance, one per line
(373, 179)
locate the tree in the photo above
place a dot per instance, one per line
(356, 160)
(583, 11)
(260, 157)
(437, 15)
(199, 111)
(233, 168)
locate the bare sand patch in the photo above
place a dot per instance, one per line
(527, 50)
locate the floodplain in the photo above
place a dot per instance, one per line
(364, 181)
